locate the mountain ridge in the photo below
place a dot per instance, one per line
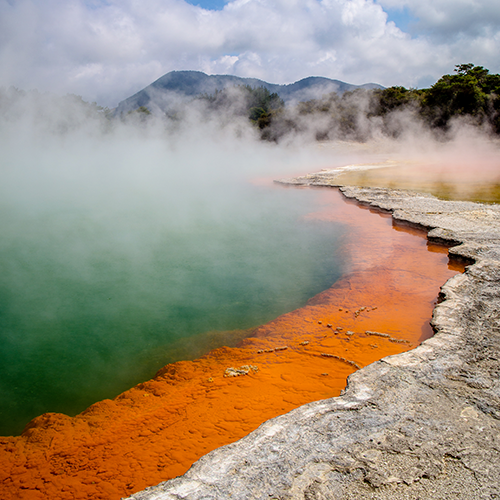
(179, 86)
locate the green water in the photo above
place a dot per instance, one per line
(102, 286)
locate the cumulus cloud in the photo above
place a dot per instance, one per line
(107, 50)
(445, 19)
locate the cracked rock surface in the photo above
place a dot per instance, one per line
(424, 424)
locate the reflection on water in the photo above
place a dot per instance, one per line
(441, 181)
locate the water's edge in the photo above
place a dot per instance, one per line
(422, 424)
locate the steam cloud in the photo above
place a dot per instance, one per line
(121, 237)
(87, 198)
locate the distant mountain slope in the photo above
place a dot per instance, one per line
(175, 87)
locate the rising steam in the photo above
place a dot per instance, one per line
(116, 228)
(123, 237)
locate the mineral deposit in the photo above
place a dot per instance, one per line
(424, 424)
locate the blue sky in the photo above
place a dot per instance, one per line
(401, 17)
(106, 50)
(209, 4)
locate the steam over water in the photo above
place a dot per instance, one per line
(119, 254)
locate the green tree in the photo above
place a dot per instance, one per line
(387, 100)
(465, 93)
(258, 104)
(262, 105)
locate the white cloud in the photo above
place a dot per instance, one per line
(452, 18)
(107, 50)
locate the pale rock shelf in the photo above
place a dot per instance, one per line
(424, 424)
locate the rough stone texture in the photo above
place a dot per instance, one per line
(424, 424)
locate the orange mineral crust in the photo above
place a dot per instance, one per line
(156, 430)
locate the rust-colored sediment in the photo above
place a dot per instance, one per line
(156, 430)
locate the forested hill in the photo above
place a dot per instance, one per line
(166, 92)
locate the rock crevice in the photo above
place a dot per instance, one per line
(422, 424)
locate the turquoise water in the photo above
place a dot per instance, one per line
(106, 277)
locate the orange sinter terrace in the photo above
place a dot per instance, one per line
(158, 429)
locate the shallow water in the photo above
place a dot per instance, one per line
(445, 182)
(96, 297)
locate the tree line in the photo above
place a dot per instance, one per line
(472, 93)
(257, 103)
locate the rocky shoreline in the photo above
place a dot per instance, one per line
(423, 424)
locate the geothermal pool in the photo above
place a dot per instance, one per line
(159, 428)
(100, 290)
